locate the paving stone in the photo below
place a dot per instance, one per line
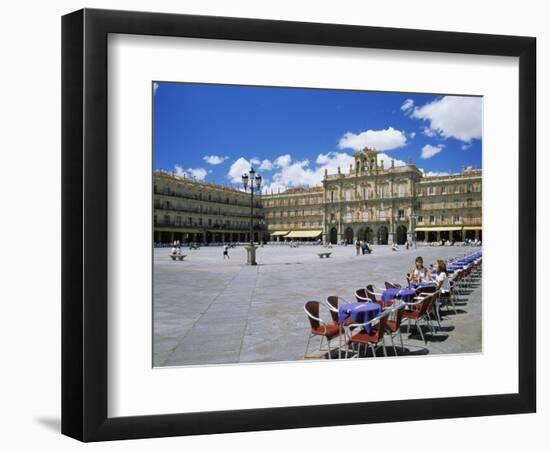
(210, 311)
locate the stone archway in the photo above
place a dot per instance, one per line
(365, 234)
(333, 236)
(348, 235)
(401, 235)
(383, 235)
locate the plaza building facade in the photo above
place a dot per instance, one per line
(193, 211)
(380, 204)
(366, 201)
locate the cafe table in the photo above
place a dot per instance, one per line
(360, 312)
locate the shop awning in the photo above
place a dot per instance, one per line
(279, 233)
(304, 234)
(472, 228)
(450, 228)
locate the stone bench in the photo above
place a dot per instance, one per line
(177, 257)
(324, 255)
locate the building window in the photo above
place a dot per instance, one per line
(441, 219)
(331, 196)
(470, 187)
(457, 188)
(332, 217)
(400, 213)
(432, 219)
(200, 221)
(209, 222)
(166, 219)
(456, 218)
(189, 220)
(401, 190)
(469, 203)
(420, 219)
(348, 195)
(431, 190)
(443, 189)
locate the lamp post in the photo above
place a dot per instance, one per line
(251, 181)
(413, 226)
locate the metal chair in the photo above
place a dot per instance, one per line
(318, 327)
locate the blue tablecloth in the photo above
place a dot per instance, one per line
(406, 295)
(416, 285)
(360, 312)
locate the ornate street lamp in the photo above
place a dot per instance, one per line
(251, 181)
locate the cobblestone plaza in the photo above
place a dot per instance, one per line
(213, 311)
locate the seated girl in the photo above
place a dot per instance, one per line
(419, 273)
(441, 278)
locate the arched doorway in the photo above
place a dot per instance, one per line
(333, 236)
(348, 235)
(401, 235)
(383, 235)
(365, 234)
(368, 235)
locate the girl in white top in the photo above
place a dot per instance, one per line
(419, 273)
(442, 278)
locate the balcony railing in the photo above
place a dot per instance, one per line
(174, 224)
(244, 202)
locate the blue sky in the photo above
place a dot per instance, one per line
(214, 132)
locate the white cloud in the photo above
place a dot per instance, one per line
(266, 165)
(255, 161)
(407, 105)
(155, 87)
(197, 173)
(237, 169)
(382, 157)
(429, 150)
(412, 134)
(428, 132)
(382, 140)
(465, 146)
(282, 161)
(451, 116)
(214, 159)
(332, 160)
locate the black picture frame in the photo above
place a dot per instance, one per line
(84, 224)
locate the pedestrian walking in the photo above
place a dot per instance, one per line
(226, 251)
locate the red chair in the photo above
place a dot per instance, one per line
(376, 296)
(318, 327)
(333, 303)
(419, 311)
(393, 324)
(370, 340)
(361, 295)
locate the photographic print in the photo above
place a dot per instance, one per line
(305, 224)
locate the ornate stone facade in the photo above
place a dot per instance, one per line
(381, 205)
(368, 202)
(188, 210)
